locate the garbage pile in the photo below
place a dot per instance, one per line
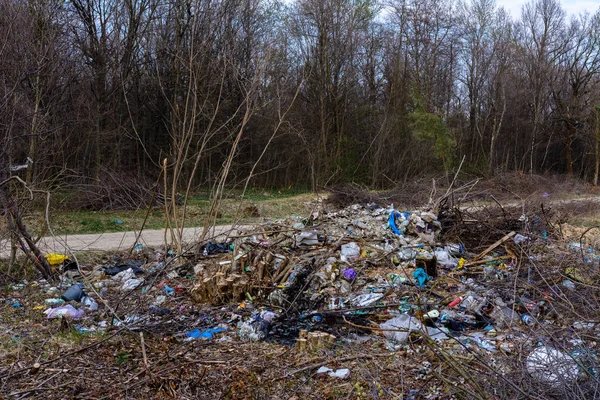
(372, 270)
(523, 303)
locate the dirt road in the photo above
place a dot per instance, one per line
(114, 241)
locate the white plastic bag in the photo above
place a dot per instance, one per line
(551, 366)
(350, 252)
(403, 322)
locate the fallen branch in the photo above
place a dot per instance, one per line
(493, 246)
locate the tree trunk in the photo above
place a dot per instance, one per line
(21, 234)
(569, 147)
(33, 132)
(496, 130)
(597, 147)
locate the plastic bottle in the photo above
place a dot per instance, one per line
(455, 302)
(528, 320)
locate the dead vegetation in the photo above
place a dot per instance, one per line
(113, 192)
(508, 188)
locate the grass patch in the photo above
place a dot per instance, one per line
(270, 205)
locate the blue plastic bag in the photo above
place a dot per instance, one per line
(205, 334)
(392, 222)
(421, 276)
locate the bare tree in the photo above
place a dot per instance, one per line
(579, 64)
(543, 44)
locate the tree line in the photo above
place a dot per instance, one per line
(306, 93)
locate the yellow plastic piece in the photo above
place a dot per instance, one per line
(55, 258)
(575, 273)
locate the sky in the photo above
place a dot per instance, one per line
(570, 6)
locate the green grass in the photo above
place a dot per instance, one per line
(251, 194)
(270, 204)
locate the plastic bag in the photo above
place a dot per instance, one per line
(421, 276)
(404, 322)
(204, 334)
(552, 366)
(364, 300)
(350, 252)
(89, 303)
(55, 258)
(67, 311)
(131, 284)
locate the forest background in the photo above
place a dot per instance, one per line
(302, 94)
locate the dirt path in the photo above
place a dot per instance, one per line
(114, 241)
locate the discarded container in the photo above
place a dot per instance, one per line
(130, 319)
(455, 249)
(397, 280)
(407, 254)
(528, 320)
(67, 311)
(518, 238)
(74, 293)
(54, 302)
(587, 361)
(504, 316)
(551, 366)
(484, 344)
(455, 302)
